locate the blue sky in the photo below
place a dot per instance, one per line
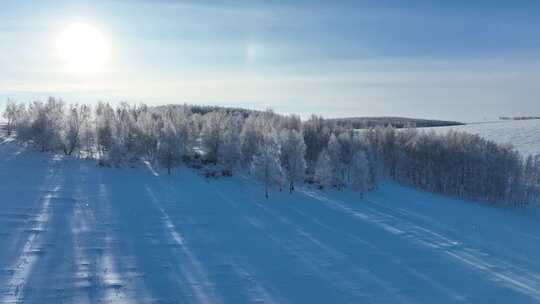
(464, 60)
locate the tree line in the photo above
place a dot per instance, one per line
(395, 122)
(281, 151)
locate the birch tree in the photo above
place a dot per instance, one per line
(293, 152)
(266, 162)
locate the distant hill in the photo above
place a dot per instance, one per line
(396, 122)
(518, 117)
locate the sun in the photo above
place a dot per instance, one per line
(83, 49)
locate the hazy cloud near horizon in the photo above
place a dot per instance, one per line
(459, 60)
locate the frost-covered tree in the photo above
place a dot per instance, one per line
(325, 172)
(173, 138)
(532, 179)
(105, 123)
(212, 134)
(316, 133)
(359, 172)
(229, 153)
(293, 152)
(47, 124)
(349, 143)
(127, 135)
(170, 146)
(148, 126)
(375, 167)
(12, 113)
(87, 130)
(266, 162)
(24, 121)
(117, 153)
(334, 153)
(194, 128)
(250, 138)
(71, 131)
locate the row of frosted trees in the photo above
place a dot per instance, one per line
(264, 144)
(458, 164)
(281, 151)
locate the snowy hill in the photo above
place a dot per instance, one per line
(71, 232)
(523, 134)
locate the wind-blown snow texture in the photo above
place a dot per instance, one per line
(524, 135)
(71, 232)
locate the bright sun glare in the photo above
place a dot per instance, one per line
(83, 48)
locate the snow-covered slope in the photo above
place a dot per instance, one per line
(71, 232)
(523, 134)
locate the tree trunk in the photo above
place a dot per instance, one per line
(169, 161)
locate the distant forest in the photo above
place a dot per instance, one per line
(281, 151)
(396, 122)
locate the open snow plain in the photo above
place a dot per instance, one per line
(524, 135)
(71, 232)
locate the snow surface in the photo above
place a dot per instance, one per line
(524, 135)
(71, 232)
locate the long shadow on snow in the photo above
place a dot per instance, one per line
(265, 248)
(51, 278)
(30, 183)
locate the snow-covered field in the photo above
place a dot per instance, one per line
(71, 232)
(523, 134)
